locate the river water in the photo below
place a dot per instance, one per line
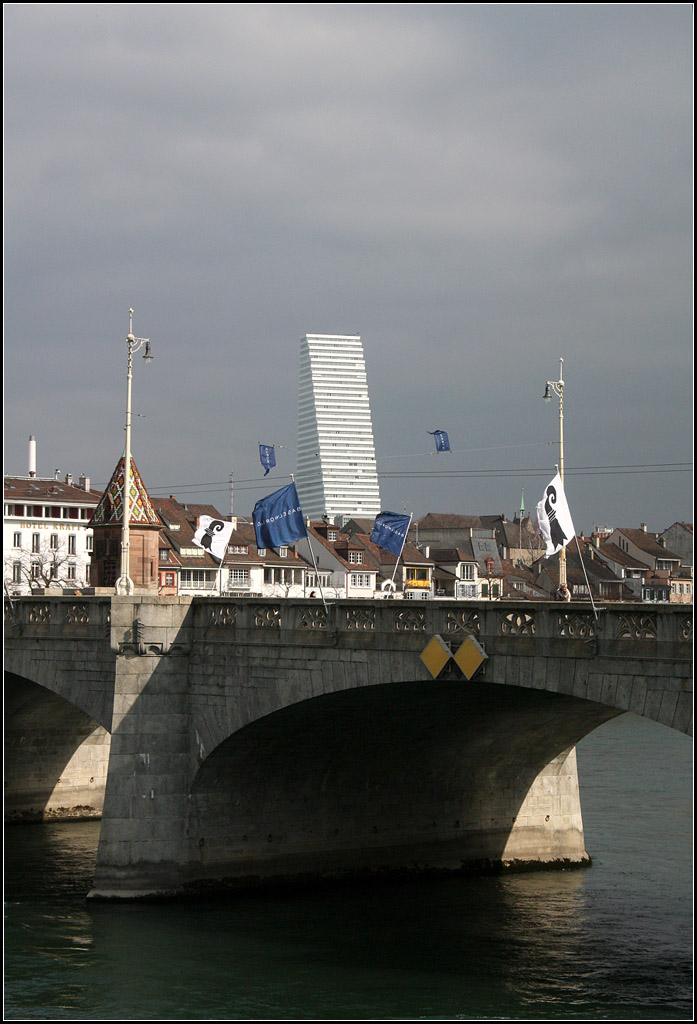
(610, 942)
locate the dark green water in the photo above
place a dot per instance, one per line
(610, 942)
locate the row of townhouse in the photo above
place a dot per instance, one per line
(49, 541)
(648, 567)
(332, 562)
(623, 564)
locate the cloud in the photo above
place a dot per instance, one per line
(477, 189)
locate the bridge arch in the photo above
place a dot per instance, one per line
(398, 776)
(56, 755)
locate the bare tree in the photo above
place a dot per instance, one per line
(41, 569)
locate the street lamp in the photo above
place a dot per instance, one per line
(124, 584)
(557, 386)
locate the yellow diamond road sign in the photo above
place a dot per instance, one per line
(470, 657)
(436, 655)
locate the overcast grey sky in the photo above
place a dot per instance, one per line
(475, 189)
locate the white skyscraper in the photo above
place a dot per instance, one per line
(336, 474)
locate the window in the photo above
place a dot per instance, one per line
(88, 573)
(164, 554)
(238, 549)
(197, 579)
(356, 557)
(283, 552)
(89, 542)
(54, 542)
(16, 572)
(169, 579)
(417, 575)
(36, 542)
(360, 579)
(72, 544)
(261, 552)
(282, 576)
(35, 570)
(332, 535)
(317, 580)
(237, 576)
(466, 572)
(72, 572)
(17, 541)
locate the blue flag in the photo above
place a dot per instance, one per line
(390, 531)
(278, 518)
(267, 457)
(442, 442)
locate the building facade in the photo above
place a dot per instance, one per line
(336, 468)
(48, 538)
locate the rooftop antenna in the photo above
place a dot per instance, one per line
(231, 492)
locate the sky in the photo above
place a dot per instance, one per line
(478, 190)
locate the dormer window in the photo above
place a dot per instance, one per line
(283, 552)
(356, 557)
(332, 534)
(261, 552)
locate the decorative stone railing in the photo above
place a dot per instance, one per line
(308, 621)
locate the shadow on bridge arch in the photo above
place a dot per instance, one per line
(395, 777)
(56, 755)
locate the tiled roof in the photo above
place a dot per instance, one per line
(380, 557)
(449, 521)
(110, 507)
(620, 557)
(28, 489)
(449, 556)
(648, 543)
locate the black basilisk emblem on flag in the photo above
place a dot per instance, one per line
(556, 533)
(215, 526)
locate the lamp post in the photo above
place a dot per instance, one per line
(557, 386)
(124, 584)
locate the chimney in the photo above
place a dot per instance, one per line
(69, 479)
(644, 527)
(32, 455)
(85, 482)
(172, 497)
(503, 517)
(56, 474)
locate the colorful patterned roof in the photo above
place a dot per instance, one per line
(110, 508)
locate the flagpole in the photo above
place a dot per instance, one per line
(319, 581)
(557, 386)
(580, 556)
(411, 515)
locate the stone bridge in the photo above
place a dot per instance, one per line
(231, 742)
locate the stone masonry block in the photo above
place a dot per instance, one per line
(637, 701)
(669, 703)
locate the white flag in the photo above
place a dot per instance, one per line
(213, 535)
(554, 518)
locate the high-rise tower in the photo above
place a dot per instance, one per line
(336, 473)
